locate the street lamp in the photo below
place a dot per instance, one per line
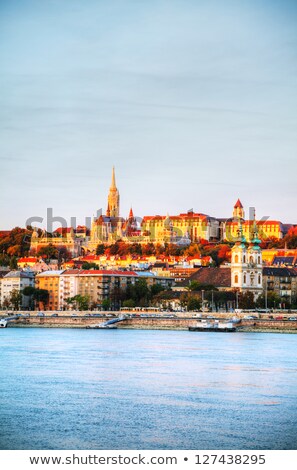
(237, 299)
(202, 292)
(266, 295)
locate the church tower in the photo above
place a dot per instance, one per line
(238, 212)
(246, 264)
(113, 197)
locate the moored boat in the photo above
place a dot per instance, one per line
(217, 326)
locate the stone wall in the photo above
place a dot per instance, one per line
(145, 323)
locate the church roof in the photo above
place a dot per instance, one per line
(218, 277)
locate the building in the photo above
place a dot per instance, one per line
(50, 281)
(100, 285)
(220, 278)
(109, 227)
(246, 264)
(267, 229)
(61, 238)
(238, 211)
(16, 281)
(179, 229)
(281, 281)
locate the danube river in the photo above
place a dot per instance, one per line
(143, 389)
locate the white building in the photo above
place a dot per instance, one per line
(68, 286)
(246, 265)
(16, 281)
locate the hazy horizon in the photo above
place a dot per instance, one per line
(194, 102)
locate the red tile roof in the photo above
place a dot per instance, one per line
(28, 260)
(63, 230)
(218, 277)
(99, 272)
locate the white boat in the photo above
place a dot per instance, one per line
(217, 326)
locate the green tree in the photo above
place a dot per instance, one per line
(246, 300)
(15, 299)
(29, 291)
(130, 303)
(41, 295)
(87, 265)
(193, 303)
(106, 304)
(194, 285)
(49, 252)
(156, 289)
(13, 264)
(100, 250)
(81, 302)
(273, 300)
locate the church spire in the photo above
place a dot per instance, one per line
(113, 181)
(131, 215)
(114, 197)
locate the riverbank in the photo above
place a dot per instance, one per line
(150, 323)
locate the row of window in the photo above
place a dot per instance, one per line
(251, 259)
(236, 279)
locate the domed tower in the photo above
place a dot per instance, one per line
(239, 261)
(113, 197)
(238, 212)
(255, 264)
(246, 264)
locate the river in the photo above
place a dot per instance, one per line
(144, 389)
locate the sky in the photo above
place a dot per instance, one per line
(193, 101)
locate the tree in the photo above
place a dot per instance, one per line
(246, 300)
(13, 264)
(87, 265)
(81, 302)
(49, 251)
(194, 285)
(100, 250)
(15, 299)
(106, 304)
(273, 300)
(6, 303)
(29, 291)
(193, 303)
(129, 303)
(156, 289)
(41, 296)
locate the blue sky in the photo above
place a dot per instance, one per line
(194, 102)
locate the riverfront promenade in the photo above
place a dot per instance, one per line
(166, 322)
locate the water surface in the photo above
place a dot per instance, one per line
(140, 389)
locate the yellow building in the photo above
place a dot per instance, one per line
(49, 280)
(266, 229)
(60, 238)
(188, 226)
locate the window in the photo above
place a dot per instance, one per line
(251, 259)
(244, 258)
(259, 279)
(244, 278)
(259, 259)
(236, 259)
(236, 279)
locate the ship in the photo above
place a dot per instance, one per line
(216, 326)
